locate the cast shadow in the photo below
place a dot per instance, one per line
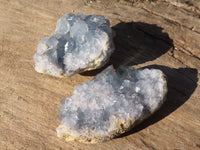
(136, 43)
(181, 83)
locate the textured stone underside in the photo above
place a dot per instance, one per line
(110, 104)
(79, 43)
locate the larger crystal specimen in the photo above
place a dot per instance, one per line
(79, 43)
(111, 104)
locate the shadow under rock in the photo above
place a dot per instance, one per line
(136, 43)
(181, 83)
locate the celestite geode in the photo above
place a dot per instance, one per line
(111, 104)
(79, 43)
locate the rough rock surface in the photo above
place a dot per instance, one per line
(79, 43)
(111, 104)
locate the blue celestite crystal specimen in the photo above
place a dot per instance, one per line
(111, 104)
(79, 43)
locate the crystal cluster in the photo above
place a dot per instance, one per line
(110, 104)
(79, 43)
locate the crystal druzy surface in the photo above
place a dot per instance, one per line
(79, 43)
(110, 104)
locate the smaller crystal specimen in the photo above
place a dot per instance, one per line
(111, 104)
(79, 43)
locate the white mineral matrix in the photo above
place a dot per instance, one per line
(79, 43)
(111, 104)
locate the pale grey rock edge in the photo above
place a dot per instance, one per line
(111, 104)
(79, 43)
